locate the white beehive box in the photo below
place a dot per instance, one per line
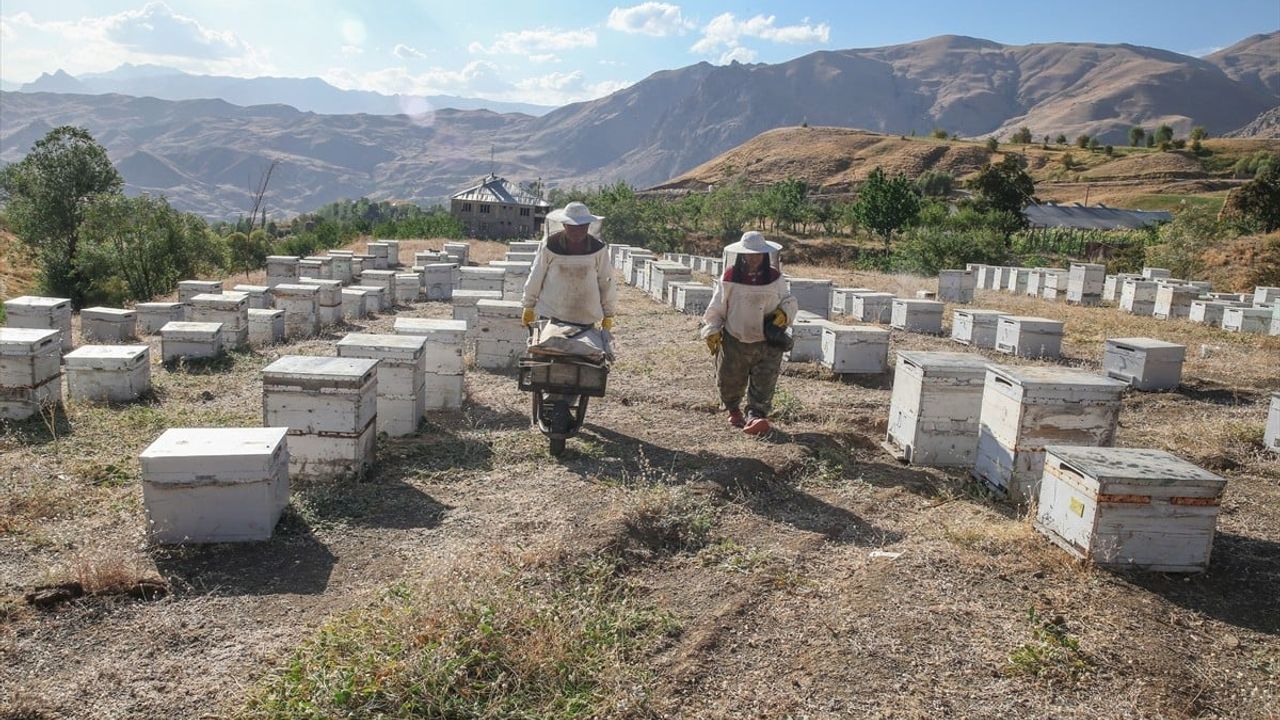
(299, 305)
(517, 273)
(1002, 275)
(460, 250)
(154, 315)
(330, 407)
(190, 340)
(308, 268)
(1016, 280)
(975, 328)
(1113, 284)
(1247, 320)
(812, 295)
(30, 371)
(188, 289)
(524, 257)
(1266, 295)
(381, 254)
(401, 377)
(1085, 282)
(427, 257)
(987, 277)
(673, 291)
(408, 287)
(322, 264)
(437, 279)
(374, 298)
(956, 286)
(926, 295)
(464, 306)
(855, 349)
(806, 334)
(661, 273)
(41, 313)
(693, 298)
(328, 300)
(629, 265)
(1144, 363)
(342, 267)
(842, 299)
(934, 410)
(1129, 508)
(1035, 280)
(1026, 408)
(1174, 301)
(1275, 319)
(259, 295)
(500, 338)
(488, 279)
(393, 253)
(266, 327)
(1032, 337)
(873, 307)
(1138, 297)
(445, 342)
(108, 325)
(385, 279)
(1155, 273)
(281, 269)
(359, 263)
(215, 484)
(110, 373)
(444, 392)
(355, 304)
(1271, 436)
(1053, 283)
(1208, 312)
(230, 309)
(918, 316)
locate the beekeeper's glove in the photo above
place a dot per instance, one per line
(779, 318)
(607, 323)
(527, 317)
(713, 343)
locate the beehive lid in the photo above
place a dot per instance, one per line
(483, 271)
(429, 326)
(106, 357)
(376, 245)
(27, 341)
(342, 253)
(251, 289)
(439, 266)
(1032, 377)
(296, 289)
(319, 258)
(945, 363)
(409, 276)
(199, 284)
(318, 282)
(476, 295)
(106, 313)
(185, 455)
(1089, 266)
(509, 265)
(158, 306)
(981, 313)
(857, 333)
(957, 272)
(876, 295)
(808, 317)
(289, 259)
(503, 308)
(396, 347)
(854, 291)
(264, 313)
(809, 281)
(355, 291)
(1110, 466)
(228, 301)
(1145, 343)
(1030, 322)
(919, 303)
(35, 301)
(368, 289)
(331, 371)
(179, 329)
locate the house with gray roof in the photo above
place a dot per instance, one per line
(497, 208)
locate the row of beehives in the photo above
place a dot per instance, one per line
(1152, 293)
(1043, 436)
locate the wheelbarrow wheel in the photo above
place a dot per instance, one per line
(556, 446)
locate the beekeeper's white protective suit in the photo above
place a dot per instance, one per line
(570, 284)
(738, 308)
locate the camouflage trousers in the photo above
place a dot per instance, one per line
(749, 369)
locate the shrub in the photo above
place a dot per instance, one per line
(993, 144)
(926, 250)
(940, 134)
(935, 183)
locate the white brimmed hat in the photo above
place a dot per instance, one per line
(753, 242)
(575, 213)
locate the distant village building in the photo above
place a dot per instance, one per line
(1091, 217)
(497, 208)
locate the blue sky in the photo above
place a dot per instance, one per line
(554, 52)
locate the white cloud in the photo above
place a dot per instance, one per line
(153, 33)
(351, 50)
(478, 78)
(726, 32)
(404, 52)
(657, 19)
(540, 40)
(544, 58)
(741, 54)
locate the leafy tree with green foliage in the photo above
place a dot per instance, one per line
(886, 204)
(1255, 206)
(1151, 140)
(993, 144)
(1061, 139)
(1022, 136)
(1109, 150)
(46, 195)
(248, 252)
(939, 134)
(139, 248)
(1181, 243)
(1136, 136)
(1094, 144)
(726, 209)
(1164, 134)
(924, 250)
(785, 202)
(1082, 142)
(935, 183)
(1198, 133)
(1003, 187)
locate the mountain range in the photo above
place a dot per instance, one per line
(308, 94)
(204, 154)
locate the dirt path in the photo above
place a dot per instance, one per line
(792, 611)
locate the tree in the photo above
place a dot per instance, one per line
(1151, 140)
(940, 134)
(1181, 242)
(992, 144)
(1061, 139)
(1164, 134)
(1022, 136)
(1136, 136)
(1109, 150)
(1003, 187)
(248, 252)
(46, 195)
(1082, 142)
(935, 183)
(1255, 206)
(1093, 143)
(885, 204)
(1198, 133)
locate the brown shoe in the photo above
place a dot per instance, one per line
(756, 425)
(736, 419)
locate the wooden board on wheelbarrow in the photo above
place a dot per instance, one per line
(570, 377)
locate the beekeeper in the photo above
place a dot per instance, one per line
(746, 325)
(571, 280)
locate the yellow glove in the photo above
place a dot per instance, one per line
(779, 318)
(527, 317)
(607, 323)
(713, 343)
